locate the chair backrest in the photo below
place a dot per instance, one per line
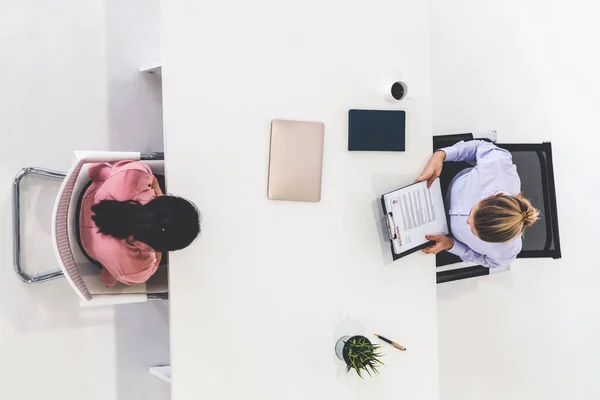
(60, 232)
(535, 168)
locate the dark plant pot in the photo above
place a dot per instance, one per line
(341, 350)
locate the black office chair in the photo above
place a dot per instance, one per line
(534, 164)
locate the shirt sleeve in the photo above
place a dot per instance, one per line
(467, 254)
(476, 151)
(106, 278)
(138, 277)
(128, 268)
(130, 165)
(128, 180)
(99, 172)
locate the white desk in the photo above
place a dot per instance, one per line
(258, 302)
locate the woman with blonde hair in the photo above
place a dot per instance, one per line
(488, 214)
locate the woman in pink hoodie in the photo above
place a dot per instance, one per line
(126, 222)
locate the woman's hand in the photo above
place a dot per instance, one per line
(156, 187)
(441, 243)
(433, 169)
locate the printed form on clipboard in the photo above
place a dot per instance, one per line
(411, 213)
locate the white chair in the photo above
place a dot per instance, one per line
(81, 273)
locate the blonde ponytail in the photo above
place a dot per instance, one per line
(531, 214)
(499, 219)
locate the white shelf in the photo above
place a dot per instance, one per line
(163, 373)
(155, 68)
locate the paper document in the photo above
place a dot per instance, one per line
(414, 212)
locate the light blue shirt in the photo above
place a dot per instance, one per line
(494, 173)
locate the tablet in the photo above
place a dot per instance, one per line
(376, 130)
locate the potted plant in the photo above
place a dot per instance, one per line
(359, 354)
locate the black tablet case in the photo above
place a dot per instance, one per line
(376, 130)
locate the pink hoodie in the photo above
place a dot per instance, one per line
(127, 261)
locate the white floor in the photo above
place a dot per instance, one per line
(529, 70)
(69, 79)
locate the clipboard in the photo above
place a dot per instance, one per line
(392, 228)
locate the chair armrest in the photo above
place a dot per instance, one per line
(108, 300)
(461, 273)
(106, 156)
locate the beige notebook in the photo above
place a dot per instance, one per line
(295, 160)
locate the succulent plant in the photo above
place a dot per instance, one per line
(361, 355)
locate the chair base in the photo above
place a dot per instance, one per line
(17, 224)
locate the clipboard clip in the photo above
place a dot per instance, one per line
(389, 228)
